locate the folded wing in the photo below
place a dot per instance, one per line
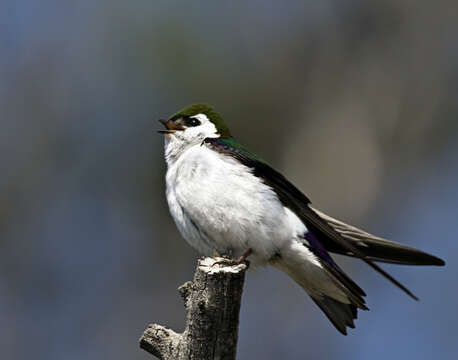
(334, 235)
(373, 247)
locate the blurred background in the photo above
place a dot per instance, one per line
(355, 101)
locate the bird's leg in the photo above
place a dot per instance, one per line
(238, 261)
(244, 256)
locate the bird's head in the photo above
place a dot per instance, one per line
(194, 123)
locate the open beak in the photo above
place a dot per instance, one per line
(168, 125)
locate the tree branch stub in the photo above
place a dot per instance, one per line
(212, 301)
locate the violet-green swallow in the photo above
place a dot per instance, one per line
(227, 200)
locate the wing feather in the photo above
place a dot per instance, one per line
(333, 234)
(376, 248)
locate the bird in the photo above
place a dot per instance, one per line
(227, 200)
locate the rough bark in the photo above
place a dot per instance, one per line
(212, 302)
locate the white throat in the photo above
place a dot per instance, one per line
(182, 140)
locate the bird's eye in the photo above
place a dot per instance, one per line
(192, 122)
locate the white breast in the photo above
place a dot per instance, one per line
(218, 204)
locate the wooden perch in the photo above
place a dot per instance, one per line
(212, 302)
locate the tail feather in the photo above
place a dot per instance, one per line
(341, 280)
(341, 315)
(329, 287)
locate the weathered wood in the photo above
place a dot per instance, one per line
(212, 302)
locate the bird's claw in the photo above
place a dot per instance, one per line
(227, 261)
(231, 262)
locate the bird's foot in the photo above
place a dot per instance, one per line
(233, 262)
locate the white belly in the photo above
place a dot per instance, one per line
(218, 204)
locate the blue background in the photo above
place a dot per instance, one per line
(355, 101)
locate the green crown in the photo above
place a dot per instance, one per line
(211, 114)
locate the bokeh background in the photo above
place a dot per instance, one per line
(355, 101)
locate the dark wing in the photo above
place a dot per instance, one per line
(376, 248)
(294, 199)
